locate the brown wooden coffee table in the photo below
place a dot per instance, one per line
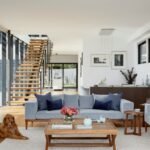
(106, 131)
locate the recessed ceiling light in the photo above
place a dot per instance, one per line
(106, 31)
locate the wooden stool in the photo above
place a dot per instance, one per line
(136, 122)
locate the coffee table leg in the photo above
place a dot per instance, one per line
(47, 141)
(110, 141)
(125, 124)
(113, 142)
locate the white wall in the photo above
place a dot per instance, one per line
(103, 45)
(141, 69)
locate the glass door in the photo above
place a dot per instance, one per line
(70, 75)
(57, 76)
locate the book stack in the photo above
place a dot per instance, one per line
(61, 126)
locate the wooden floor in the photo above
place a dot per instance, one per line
(18, 111)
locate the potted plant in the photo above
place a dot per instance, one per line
(130, 76)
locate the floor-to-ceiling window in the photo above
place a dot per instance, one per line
(61, 75)
(9, 61)
(2, 68)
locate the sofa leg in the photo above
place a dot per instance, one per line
(32, 123)
(26, 124)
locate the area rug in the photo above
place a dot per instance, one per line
(37, 142)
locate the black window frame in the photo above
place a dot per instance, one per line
(51, 84)
(139, 51)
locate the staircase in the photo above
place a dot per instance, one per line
(27, 79)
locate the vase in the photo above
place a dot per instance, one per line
(68, 119)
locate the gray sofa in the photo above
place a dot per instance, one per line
(83, 103)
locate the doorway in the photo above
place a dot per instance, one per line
(61, 75)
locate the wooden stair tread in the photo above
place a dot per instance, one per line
(25, 83)
(23, 96)
(29, 79)
(36, 76)
(22, 93)
(30, 88)
(31, 62)
(29, 65)
(28, 69)
(26, 72)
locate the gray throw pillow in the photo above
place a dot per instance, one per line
(56, 97)
(71, 100)
(86, 102)
(116, 99)
(100, 97)
(42, 100)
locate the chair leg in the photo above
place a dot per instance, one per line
(145, 127)
(26, 124)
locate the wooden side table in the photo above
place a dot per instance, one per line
(136, 122)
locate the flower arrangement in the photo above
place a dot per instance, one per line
(69, 111)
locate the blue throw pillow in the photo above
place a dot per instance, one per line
(103, 105)
(116, 99)
(42, 100)
(54, 105)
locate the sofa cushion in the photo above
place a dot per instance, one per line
(103, 105)
(100, 97)
(42, 100)
(54, 104)
(71, 100)
(95, 114)
(86, 102)
(45, 114)
(116, 99)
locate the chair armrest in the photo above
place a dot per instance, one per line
(147, 113)
(31, 109)
(126, 105)
(147, 109)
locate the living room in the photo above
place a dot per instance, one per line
(91, 57)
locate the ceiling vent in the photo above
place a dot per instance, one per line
(106, 31)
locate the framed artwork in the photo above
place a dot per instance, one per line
(102, 60)
(142, 53)
(118, 60)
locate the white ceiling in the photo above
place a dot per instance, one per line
(67, 22)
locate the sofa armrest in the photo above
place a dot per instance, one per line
(126, 105)
(31, 108)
